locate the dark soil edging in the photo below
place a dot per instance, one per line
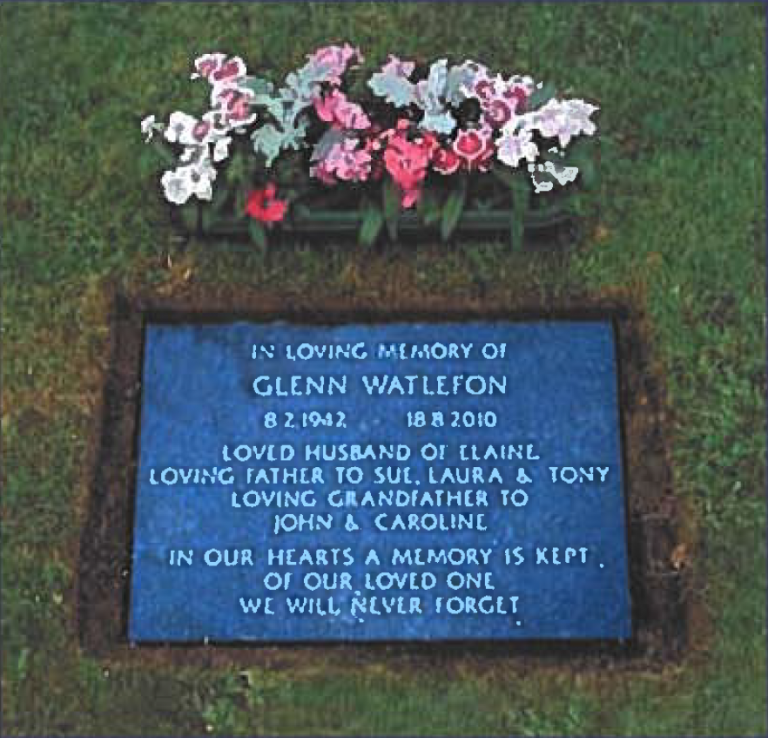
(658, 582)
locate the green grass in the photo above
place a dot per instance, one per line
(681, 222)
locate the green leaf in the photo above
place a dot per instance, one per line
(588, 174)
(395, 88)
(21, 663)
(148, 163)
(268, 140)
(391, 206)
(165, 151)
(219, 200)
(257, 233)
(541, 96)
(521, 193)
(212, 211)
(258, 85)
(239, 202)
(517, 231)
(454, 206)
(373, 220)
(429, 207)
(584, 158)
(207, 218)
(521, 200)
(505, 174)
(188, 213)
(237, 171)
(577, 205)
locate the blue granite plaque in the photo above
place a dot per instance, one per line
(362, 482)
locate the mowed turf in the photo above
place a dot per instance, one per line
(678, 222)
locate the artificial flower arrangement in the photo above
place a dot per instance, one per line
(410, 145)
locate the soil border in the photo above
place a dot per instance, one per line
(658, 582)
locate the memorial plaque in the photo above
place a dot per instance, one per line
(368, 482)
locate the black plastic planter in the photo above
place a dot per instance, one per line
(555, 224)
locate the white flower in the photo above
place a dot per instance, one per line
(516, 145)
(192, 179)
(219, 70)
(524, 81)
(218, 122)
(202, 187)
(564, 120)
(202, 174)
(552, 122)
(206, 64)
(541, 185)
(192, 154)
(473, 72)
(579, 111)
(563, 175)
(148, 127)
(180, 126)
(221, 148)
(177, 185)
(204, 168)
(188, 130)
(234, 103)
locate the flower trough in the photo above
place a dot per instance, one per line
(410, 148)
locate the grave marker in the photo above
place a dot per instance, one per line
(480, 462)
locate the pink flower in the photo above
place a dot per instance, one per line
(474, 148)
(345, 161)
(372, 145)
(350, 163)
(406, 161)
(335, 109)
(333, 61)
(323, 172)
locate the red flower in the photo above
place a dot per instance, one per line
(474, 148)
(445, 161)
(264, 206)
(430, 143)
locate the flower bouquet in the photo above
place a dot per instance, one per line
(438, 147)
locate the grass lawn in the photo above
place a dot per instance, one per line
(681, 226)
